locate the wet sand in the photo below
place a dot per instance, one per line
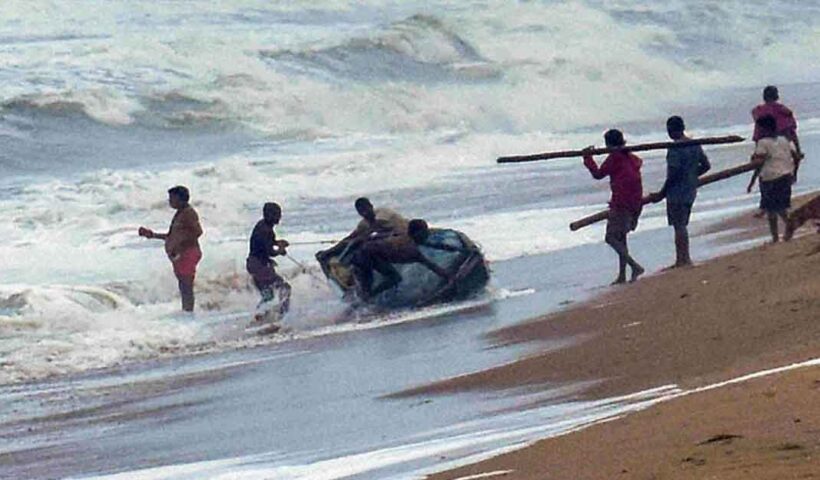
(767, 428)
(735, 315)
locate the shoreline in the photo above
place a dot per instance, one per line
(728, 317)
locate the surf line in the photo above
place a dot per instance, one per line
(477, 476)
(675, 392)
(649, 398)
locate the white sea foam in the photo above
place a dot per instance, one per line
(406, 102)
(509, 66)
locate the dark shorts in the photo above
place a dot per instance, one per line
(621, 222)
(776, 195)
(263, 274)
(677, 214)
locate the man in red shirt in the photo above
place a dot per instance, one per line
(624, 171)
(784, 118)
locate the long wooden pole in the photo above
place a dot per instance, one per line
(704, 180)
(632, 148)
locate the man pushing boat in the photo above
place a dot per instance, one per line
(381, 254)
(375, 222)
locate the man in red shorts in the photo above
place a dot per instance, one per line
(181, 243)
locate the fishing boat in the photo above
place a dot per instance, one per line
(450, 249)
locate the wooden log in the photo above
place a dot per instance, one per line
(632, 148)
(704, 180)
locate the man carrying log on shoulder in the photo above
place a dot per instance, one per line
(683, 167)
(624, 171)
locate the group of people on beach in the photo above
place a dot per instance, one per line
(383, 237)
(777, 156)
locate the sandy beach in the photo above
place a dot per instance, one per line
(732, 316)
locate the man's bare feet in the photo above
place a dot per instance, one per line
(636, 272)
(679, 265)
(789, 231)
(619, 281)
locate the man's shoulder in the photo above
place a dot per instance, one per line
(387, 214)
(771, 109)
(190, 212)
(260, 226)
(185, 215)
(384, 211)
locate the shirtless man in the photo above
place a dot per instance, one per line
(181, 243)
(376, 222)
(380, 254)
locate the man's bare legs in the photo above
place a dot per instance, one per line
(682, 258)
(773, 227)
(186, 292)
(618, 243)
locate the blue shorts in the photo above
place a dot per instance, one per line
(677, 214)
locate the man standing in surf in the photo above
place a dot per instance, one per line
(624, 171)
(181, 243)
(260, 264)
(683, 167)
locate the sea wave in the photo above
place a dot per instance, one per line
(419, 48)
(503, 68)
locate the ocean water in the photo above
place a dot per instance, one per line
(104, 105)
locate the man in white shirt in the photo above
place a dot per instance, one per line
(778, 159)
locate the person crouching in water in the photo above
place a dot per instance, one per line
(778, 158)
(380, 254)
(181, 243)
(624, 171)
(260, 264)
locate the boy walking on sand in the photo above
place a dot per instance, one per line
(624, 171)
(683, 167)
(777, 157)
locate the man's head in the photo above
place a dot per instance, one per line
(767, 124)
(614, 138)
(272, 213)
(770, 94)
(675, 127)
(178, 197)
(418, 230)
(365, 209)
